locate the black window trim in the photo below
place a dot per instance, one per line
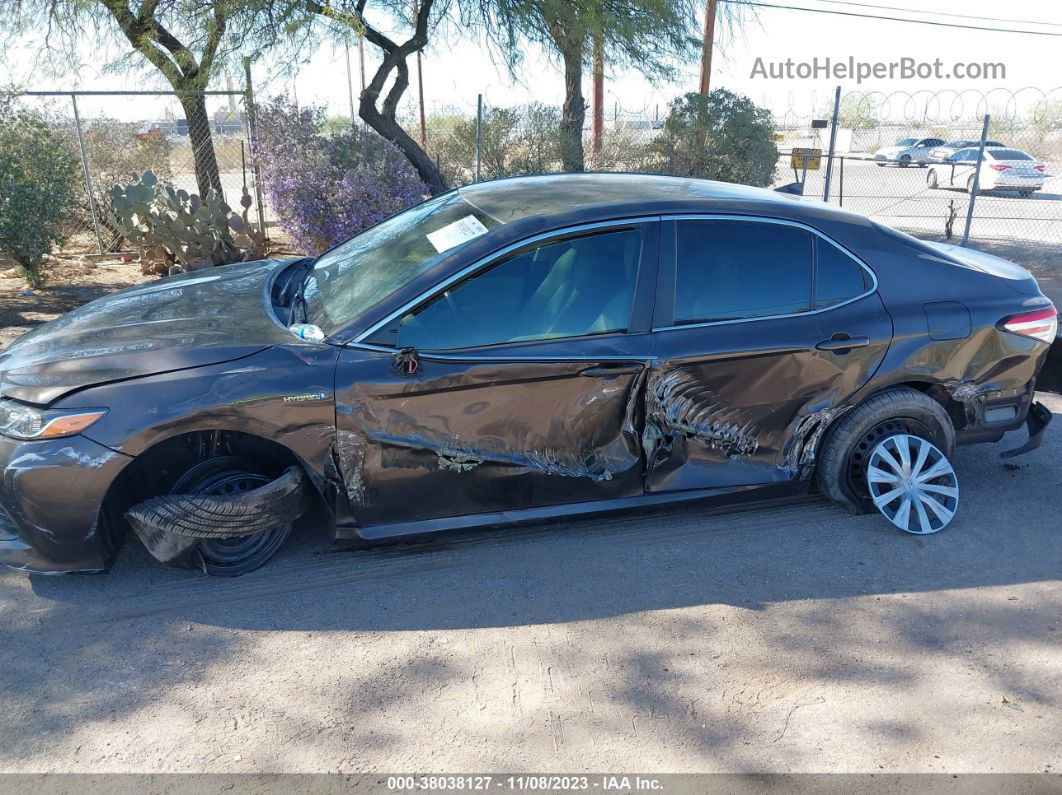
(644, 281)
(669, 268)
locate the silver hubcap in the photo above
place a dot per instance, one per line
(912, 484)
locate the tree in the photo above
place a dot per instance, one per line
(645, 34)
(377, 108)
(186, 41)
(38, 178)
(723, 136)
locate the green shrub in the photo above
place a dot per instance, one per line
(724, 136)
(520, 140)
(38, 178)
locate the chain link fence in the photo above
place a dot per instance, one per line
(193, 143)
(114, 136)
(893, 164)
(908, 193)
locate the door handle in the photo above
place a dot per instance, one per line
(842, 342)
(607, 370)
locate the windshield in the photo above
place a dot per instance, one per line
(355, 275)
(1008, 154)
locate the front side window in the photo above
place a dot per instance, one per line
(568, 288)
(355, 275)
(732, 270)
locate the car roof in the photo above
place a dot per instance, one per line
(604, 195)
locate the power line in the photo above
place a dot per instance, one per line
(941, 13)
(891, 19)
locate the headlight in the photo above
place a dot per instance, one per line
(24, 422)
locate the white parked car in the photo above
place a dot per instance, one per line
(907, 151)
(1001, 169)
(942, 153)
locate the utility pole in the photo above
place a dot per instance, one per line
(420, 90)
(350, 88)
(706, 50)
(361, 55)
(599, 92)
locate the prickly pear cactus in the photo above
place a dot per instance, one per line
(178, 231)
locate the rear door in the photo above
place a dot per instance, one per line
(518, 386)
(763, 330)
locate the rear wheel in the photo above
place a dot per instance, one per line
(846, 453)
(912, 483)
(224, 476)
(970, 184)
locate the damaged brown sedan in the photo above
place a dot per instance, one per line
(514, 351)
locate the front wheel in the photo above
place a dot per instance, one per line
(225, 476)
(844, 467)
(931, 179)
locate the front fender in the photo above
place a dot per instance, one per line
(284, 394)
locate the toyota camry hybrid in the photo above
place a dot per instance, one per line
(513, 351)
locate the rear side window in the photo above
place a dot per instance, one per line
(730, 270)
(838, 277)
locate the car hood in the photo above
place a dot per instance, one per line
(891, 150)
(207, 317)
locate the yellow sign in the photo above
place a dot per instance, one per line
(810, 159)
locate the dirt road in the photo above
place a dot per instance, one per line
(794, 638)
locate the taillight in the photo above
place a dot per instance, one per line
(999, 167)
(1041, 324)
(1041, 168)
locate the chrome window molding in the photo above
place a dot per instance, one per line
(474, 356)
(486, 262)
(783, 222)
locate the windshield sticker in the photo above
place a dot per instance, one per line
(468, 228)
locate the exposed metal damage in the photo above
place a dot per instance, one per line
(348, 459)
(677, 403)
(803, 445)
(172, 525)
(459, 455)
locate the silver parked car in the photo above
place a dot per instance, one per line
(907, 151)
(1001, 169)
(942, 153)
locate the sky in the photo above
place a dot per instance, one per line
(454, 75)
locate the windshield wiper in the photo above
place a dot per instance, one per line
(299, 278)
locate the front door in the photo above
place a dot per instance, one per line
(764, 329)
(518, 387)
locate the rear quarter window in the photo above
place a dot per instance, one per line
(838, 277)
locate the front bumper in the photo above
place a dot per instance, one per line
(50, 498)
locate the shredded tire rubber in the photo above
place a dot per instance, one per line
(208, 516)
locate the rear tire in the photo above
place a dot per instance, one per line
(841, 470)
(220, 476)
(970, 185)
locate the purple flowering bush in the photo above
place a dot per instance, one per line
(326, 187)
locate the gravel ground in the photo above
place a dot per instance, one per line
(789, 638)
